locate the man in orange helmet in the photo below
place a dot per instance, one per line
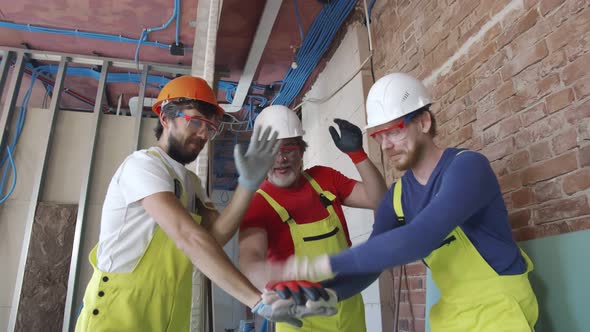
(155, 223)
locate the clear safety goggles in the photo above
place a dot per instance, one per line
(393, 134)
(196, 123)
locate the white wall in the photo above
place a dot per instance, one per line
(347, 104)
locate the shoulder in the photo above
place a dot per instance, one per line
(469, 160)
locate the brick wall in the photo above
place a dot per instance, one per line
(511, 79)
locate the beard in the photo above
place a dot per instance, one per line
(410, 158)
(283, 181)
(178, 152)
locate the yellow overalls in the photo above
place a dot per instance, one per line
(473, 296)
(155, 296)
(324, 236)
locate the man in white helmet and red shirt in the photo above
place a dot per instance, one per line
(448, 210)
(299, 212)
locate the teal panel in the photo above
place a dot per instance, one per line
(560, 280)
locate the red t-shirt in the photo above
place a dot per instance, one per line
(303, 204)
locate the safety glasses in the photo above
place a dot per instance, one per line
(197, 123)
(393, 134)
(288, 150)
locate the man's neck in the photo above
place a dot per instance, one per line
(430, 158)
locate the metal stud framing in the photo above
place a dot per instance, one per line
(70, 310)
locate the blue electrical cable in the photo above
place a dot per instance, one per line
(146, 32)
(318, 39)
(76, 33)
(10, 148)
(299, 25)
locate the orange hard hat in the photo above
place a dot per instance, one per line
(187, 87)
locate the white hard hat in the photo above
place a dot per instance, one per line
(394, 96)
(282, 119)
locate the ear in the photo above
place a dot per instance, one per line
(165, 121)
(425, 122)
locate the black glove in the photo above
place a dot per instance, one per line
(300, 291)
(350, 138)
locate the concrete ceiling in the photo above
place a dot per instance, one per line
(238, 23)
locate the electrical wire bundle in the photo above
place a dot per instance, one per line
(316, 43)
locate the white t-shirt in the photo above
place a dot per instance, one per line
(126, 228)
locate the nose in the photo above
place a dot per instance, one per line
(386, 144)
(280, 157)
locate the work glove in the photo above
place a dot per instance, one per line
(275, 309)
(255, 163)
(350, 140)
(319, 307)
(299, 290)
(305, 268)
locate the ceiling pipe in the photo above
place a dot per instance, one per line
(267, 21)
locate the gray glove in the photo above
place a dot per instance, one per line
(255, 163)
(275, 309)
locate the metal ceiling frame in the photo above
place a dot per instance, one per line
(265, 25)
(97, 61)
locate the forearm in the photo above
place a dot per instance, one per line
(347, 286)
(206, 254)
(227, 224)
(254, 268)
(373, 182)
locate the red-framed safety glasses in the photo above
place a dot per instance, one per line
(197, 122)
(394, 133)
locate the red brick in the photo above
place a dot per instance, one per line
(415, 269)
(565, 141)
(507, 201)
(519, 160)
(491, 134)
(575, 28)
(505, 109)
(546, 127)
(460, 136)
(407, 310)
(506, 90)
(464, 87)
(510, 182)
(540, 151)
(523, 24)
(484, 87)
(465, 8)
(582, 88)
(560, 99)
(550, 168)
(522, 197)
(553, 62)
(467, 116)
(450, 112)
(415, 297)
(490, 7)
(576, 70)
(539, 231)
(579, 224)
(548, 84)
(475, 144)
(585, 156)
(584, 130)
(579, 113)
(525, 59)
(533, 114)
(500, 149)
(419, 325)
(546, 191)
(519, 218)
(479, 56)
(530, 3)
(523, 138)
(562, 209)
(577, 181)
(509, 126)
(500, 167)
(546, 6)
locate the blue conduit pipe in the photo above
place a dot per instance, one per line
(146, 32)
(263, 326)
(77, 33)
(316, 43)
